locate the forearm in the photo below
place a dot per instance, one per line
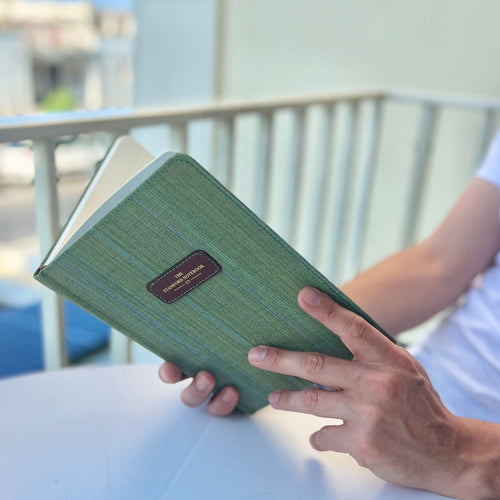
(405, 289)
(409, 287)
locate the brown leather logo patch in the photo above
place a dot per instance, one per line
(184, 276)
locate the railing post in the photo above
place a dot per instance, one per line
(296, 176)
(178, 137)
(368, 151)
(47, 224)
(342, 193)
(318, 219)
(420, 169)
(120, 347)
(484, 137)
(224, 151)
(263, 167)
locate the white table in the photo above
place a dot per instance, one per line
(120, 433)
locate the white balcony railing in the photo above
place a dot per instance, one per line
(326, 142)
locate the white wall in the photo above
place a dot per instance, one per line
(287, 47)
(174, 63)
(292, 46)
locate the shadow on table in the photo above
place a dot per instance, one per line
(198, 456)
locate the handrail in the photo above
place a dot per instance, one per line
(42, 126)
(47, 126)
(481, 103)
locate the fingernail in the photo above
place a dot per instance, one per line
(274, 397)
(227, 396)
(201, 383)
(162, 375)
(311, 297)
(257, 353)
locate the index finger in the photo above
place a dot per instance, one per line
(319, 368)
(363, 340)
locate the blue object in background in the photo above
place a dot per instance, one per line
(21, 337)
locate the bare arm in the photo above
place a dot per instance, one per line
(411, 286)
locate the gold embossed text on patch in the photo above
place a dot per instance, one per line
(183, 277)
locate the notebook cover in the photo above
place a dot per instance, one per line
(138, 269)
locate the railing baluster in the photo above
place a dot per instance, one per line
(368, 151)
(420, 169)
(341, 195)
(120, 347)
(484, 137)
(47, 224)
(263, 167)
(178, 137)
(224, 151)
(296, 177)
(318, 218)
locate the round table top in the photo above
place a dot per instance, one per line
(120, 433)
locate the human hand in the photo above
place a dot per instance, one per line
(200, 389)
(394, 422)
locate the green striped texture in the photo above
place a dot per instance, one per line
(178, 209)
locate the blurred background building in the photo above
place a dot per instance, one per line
(64, 55)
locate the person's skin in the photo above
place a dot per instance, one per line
(409, 287)
(200, 389)
(417, 442)
(394, 422)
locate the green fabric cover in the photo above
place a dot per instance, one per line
(253, 300)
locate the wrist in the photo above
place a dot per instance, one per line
(477, 464)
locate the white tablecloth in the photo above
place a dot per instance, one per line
(120, 433)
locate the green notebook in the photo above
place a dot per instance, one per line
(177, 263)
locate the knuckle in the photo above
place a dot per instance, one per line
(420, 385)
(314, 364)
(284, 400)
(228, 396)
(402, 356)
(219, 407)
(276, 358)
(358, 328)
(361, 452)
(365, 457)
(419, 369)
(412, 364)
(214, 410)
(310, 399)
(188, 399)
(329, 313)
(366, 449)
